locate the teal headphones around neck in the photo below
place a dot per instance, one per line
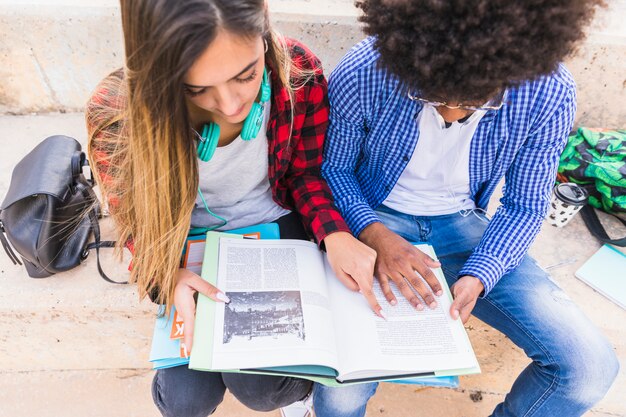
(251, 126)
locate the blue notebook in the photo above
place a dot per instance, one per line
(605, 272)
(165, 351)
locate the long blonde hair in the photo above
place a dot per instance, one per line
(141, 141)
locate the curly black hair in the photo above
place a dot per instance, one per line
(468, 50)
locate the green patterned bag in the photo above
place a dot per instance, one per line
(596, 160)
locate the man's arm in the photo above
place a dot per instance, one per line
(527, 193)
(396, 259)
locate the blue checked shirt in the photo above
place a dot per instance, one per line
(373, 132)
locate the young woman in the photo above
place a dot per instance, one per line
(215, 122)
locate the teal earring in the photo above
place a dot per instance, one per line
(251, 126)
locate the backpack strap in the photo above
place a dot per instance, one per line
(595, 226)
(97, 244)
(100, 244)
(7, 246)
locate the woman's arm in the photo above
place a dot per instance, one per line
(311, 196)
(351, 260)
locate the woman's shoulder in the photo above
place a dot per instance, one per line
(301, 56)
(104, 108)
(109, 92)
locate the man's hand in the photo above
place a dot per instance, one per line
(187, 285)
(465, 292)
(353, 263)
(400, 261)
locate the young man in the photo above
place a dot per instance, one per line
(427, 116)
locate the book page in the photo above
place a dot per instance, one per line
(279, 311)
(408, 342)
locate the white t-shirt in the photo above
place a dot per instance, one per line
(436, 179)
(235, 184)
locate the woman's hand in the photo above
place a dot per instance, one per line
(187, 285)
(353, 263)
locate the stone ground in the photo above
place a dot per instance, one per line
(74, 346)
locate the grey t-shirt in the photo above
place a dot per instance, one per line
(235, 185)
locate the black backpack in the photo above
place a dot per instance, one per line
(50, 210)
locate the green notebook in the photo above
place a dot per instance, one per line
(290, 315)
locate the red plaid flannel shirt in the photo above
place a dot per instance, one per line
(294, 161)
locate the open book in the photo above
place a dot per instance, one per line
(289, 314)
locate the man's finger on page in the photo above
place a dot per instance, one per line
(407, 291)
(386, 289)
(430, 277)
(423, 290)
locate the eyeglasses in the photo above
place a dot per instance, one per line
(499, 100)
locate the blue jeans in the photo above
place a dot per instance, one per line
(183, 392)
(573, 365)
(349, 401)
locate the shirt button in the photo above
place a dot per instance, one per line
(405, 158)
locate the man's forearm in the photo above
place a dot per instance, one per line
(371, 232)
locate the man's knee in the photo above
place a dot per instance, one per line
(590, 371)
(266, 393)
(569, 347)
(177, 396)
(339, 401)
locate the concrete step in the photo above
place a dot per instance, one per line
(57, 50)
(74, 345)
(106, 393)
